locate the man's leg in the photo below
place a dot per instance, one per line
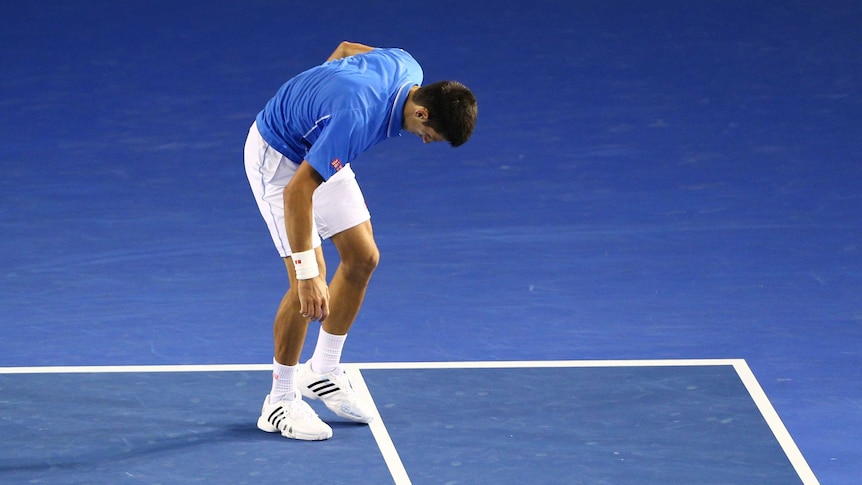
(323, 378)
(359, 257)
(290, 327)
(283, 409)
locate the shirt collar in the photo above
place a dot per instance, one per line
(396, 117)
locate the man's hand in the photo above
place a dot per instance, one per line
(313, 298)
(347, 49)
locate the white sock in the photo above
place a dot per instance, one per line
(283, 382)
(327, 353)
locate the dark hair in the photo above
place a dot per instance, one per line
(452, 110)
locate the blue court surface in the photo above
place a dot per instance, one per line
(524, 422)
(659, 215)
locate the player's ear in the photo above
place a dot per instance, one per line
(421, 113)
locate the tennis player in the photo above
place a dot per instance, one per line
(297, 158)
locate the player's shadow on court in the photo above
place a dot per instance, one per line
(107, 448)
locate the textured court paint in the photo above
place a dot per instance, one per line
(589, 425)
(686, 175)
(660, 397)
(164, 427)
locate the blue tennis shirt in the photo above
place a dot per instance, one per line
(331, 113)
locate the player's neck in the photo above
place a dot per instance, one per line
(410, 105)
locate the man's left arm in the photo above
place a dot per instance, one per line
(347, 49)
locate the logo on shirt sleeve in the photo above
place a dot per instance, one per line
(336, 164)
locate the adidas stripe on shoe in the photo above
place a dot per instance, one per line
(336, 392)
(294, 419)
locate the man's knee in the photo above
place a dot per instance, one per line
(362, 263)
(358, 251)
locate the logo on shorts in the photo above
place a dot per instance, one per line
(336, 164)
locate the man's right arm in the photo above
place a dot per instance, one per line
(347, 49)
(298, 216)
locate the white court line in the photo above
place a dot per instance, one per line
(546, 363)
(371, 365)
(774, 421)
(381, 435)
(384, 441)
(106, 369)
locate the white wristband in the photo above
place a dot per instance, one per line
(305, 264)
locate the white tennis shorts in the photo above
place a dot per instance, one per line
(338, 203)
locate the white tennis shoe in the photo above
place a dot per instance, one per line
(294, 419)
(336, 392)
